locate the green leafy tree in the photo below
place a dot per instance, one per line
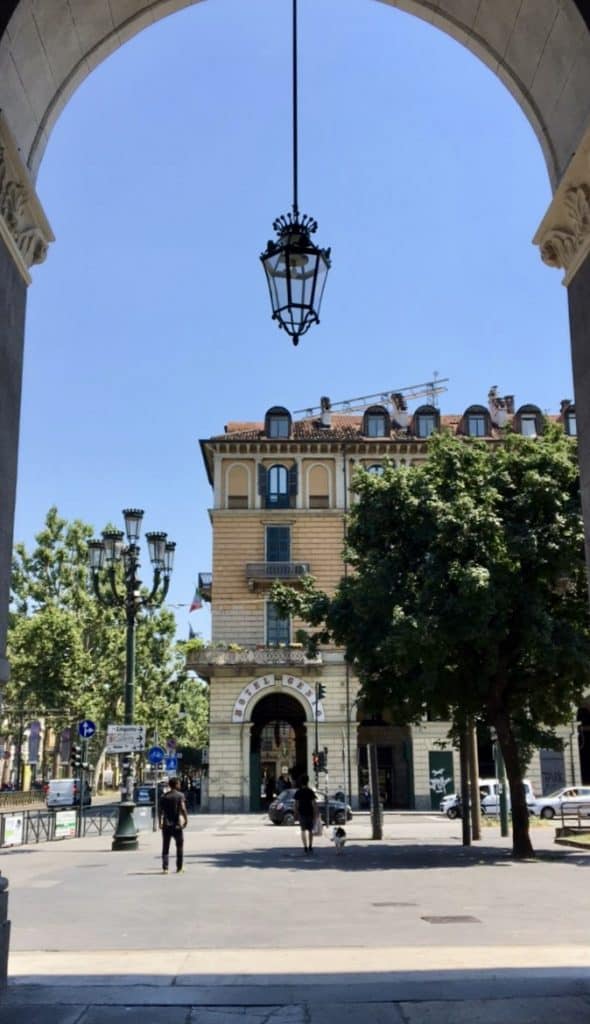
(467, 594)
(67, 651)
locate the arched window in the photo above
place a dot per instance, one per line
(237, 487)
(426, 421)
(376, 422)
(376, 469)
(476, 421)
(278, 486)
(569, 419)
(319, 487)
(528, 421)
(277, 422)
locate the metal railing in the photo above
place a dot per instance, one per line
(276, 570)
(575, 816)
(27, 827)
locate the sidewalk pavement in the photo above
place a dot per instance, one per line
(433, 985)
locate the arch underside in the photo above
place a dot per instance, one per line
(540, 51)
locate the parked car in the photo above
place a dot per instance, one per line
(66, 793)
(567, 798)
(451, 805)
(489, 791)
(282, 809)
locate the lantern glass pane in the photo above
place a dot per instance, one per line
(133, 518)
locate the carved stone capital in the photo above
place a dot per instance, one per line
(563, 236)
(23, 225)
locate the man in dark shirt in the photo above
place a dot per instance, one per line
(173, 819)
(306, 809)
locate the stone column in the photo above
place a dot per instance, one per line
(564, 241)
(24, 237)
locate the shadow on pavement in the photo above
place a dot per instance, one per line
(371, 857)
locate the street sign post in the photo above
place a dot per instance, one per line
(156, 755)
(86, 729)
(125, 739)
(171, 764)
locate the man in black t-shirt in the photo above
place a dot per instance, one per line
(173, 819)
(306, 809)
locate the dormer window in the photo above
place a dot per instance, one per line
(277, 423)
(476, 421)
(376, 422)
(426, 421)
(528, 421)
(571, 427)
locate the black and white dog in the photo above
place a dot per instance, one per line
(338, 837)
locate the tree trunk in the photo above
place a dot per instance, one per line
(521, 840)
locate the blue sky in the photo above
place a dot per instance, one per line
(149, 326)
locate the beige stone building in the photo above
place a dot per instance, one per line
(281, 490)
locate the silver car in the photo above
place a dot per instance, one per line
(567, 799)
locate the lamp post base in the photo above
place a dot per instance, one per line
(125, 838)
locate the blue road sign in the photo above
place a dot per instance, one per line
(155, 755)
(171, 764)
(86, 729)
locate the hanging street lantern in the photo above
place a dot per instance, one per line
(295, 267)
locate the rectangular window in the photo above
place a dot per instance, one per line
(278, 426)
(375, 425)
(572, 429)
(528, 425)
(477, 426)
(278, 544)
(278, 630)
(425, 426)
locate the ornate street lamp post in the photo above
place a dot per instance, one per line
(104, 557)
(295, 267)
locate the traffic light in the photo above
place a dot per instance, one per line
(320, 690)
(76, 756)
(316, 761)
(322, 757)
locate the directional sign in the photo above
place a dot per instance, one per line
(86, 729)
(124, 739)
(156, 755)
(171, 764)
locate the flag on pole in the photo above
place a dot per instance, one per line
(196, 602)
(191, 632)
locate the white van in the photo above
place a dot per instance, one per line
(66, 793)
(489, 791)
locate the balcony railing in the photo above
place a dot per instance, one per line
(287, 656)
(261, 572)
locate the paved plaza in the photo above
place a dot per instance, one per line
(412, 929)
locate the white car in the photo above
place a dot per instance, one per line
(568, 798)
(489, 792)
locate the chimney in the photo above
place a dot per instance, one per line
(564, 406)
(326, 415)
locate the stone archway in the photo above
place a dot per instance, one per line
(543, 59)
(285, 716)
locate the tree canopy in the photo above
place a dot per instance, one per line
(67, 651)
(467, 593)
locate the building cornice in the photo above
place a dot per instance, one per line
(563, 235)
(24, 228)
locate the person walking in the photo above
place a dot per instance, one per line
(306, 810)
(173, 819)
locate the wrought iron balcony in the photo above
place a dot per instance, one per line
(269, 572)
(205, 583)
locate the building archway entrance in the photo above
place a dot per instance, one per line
(278, 739)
